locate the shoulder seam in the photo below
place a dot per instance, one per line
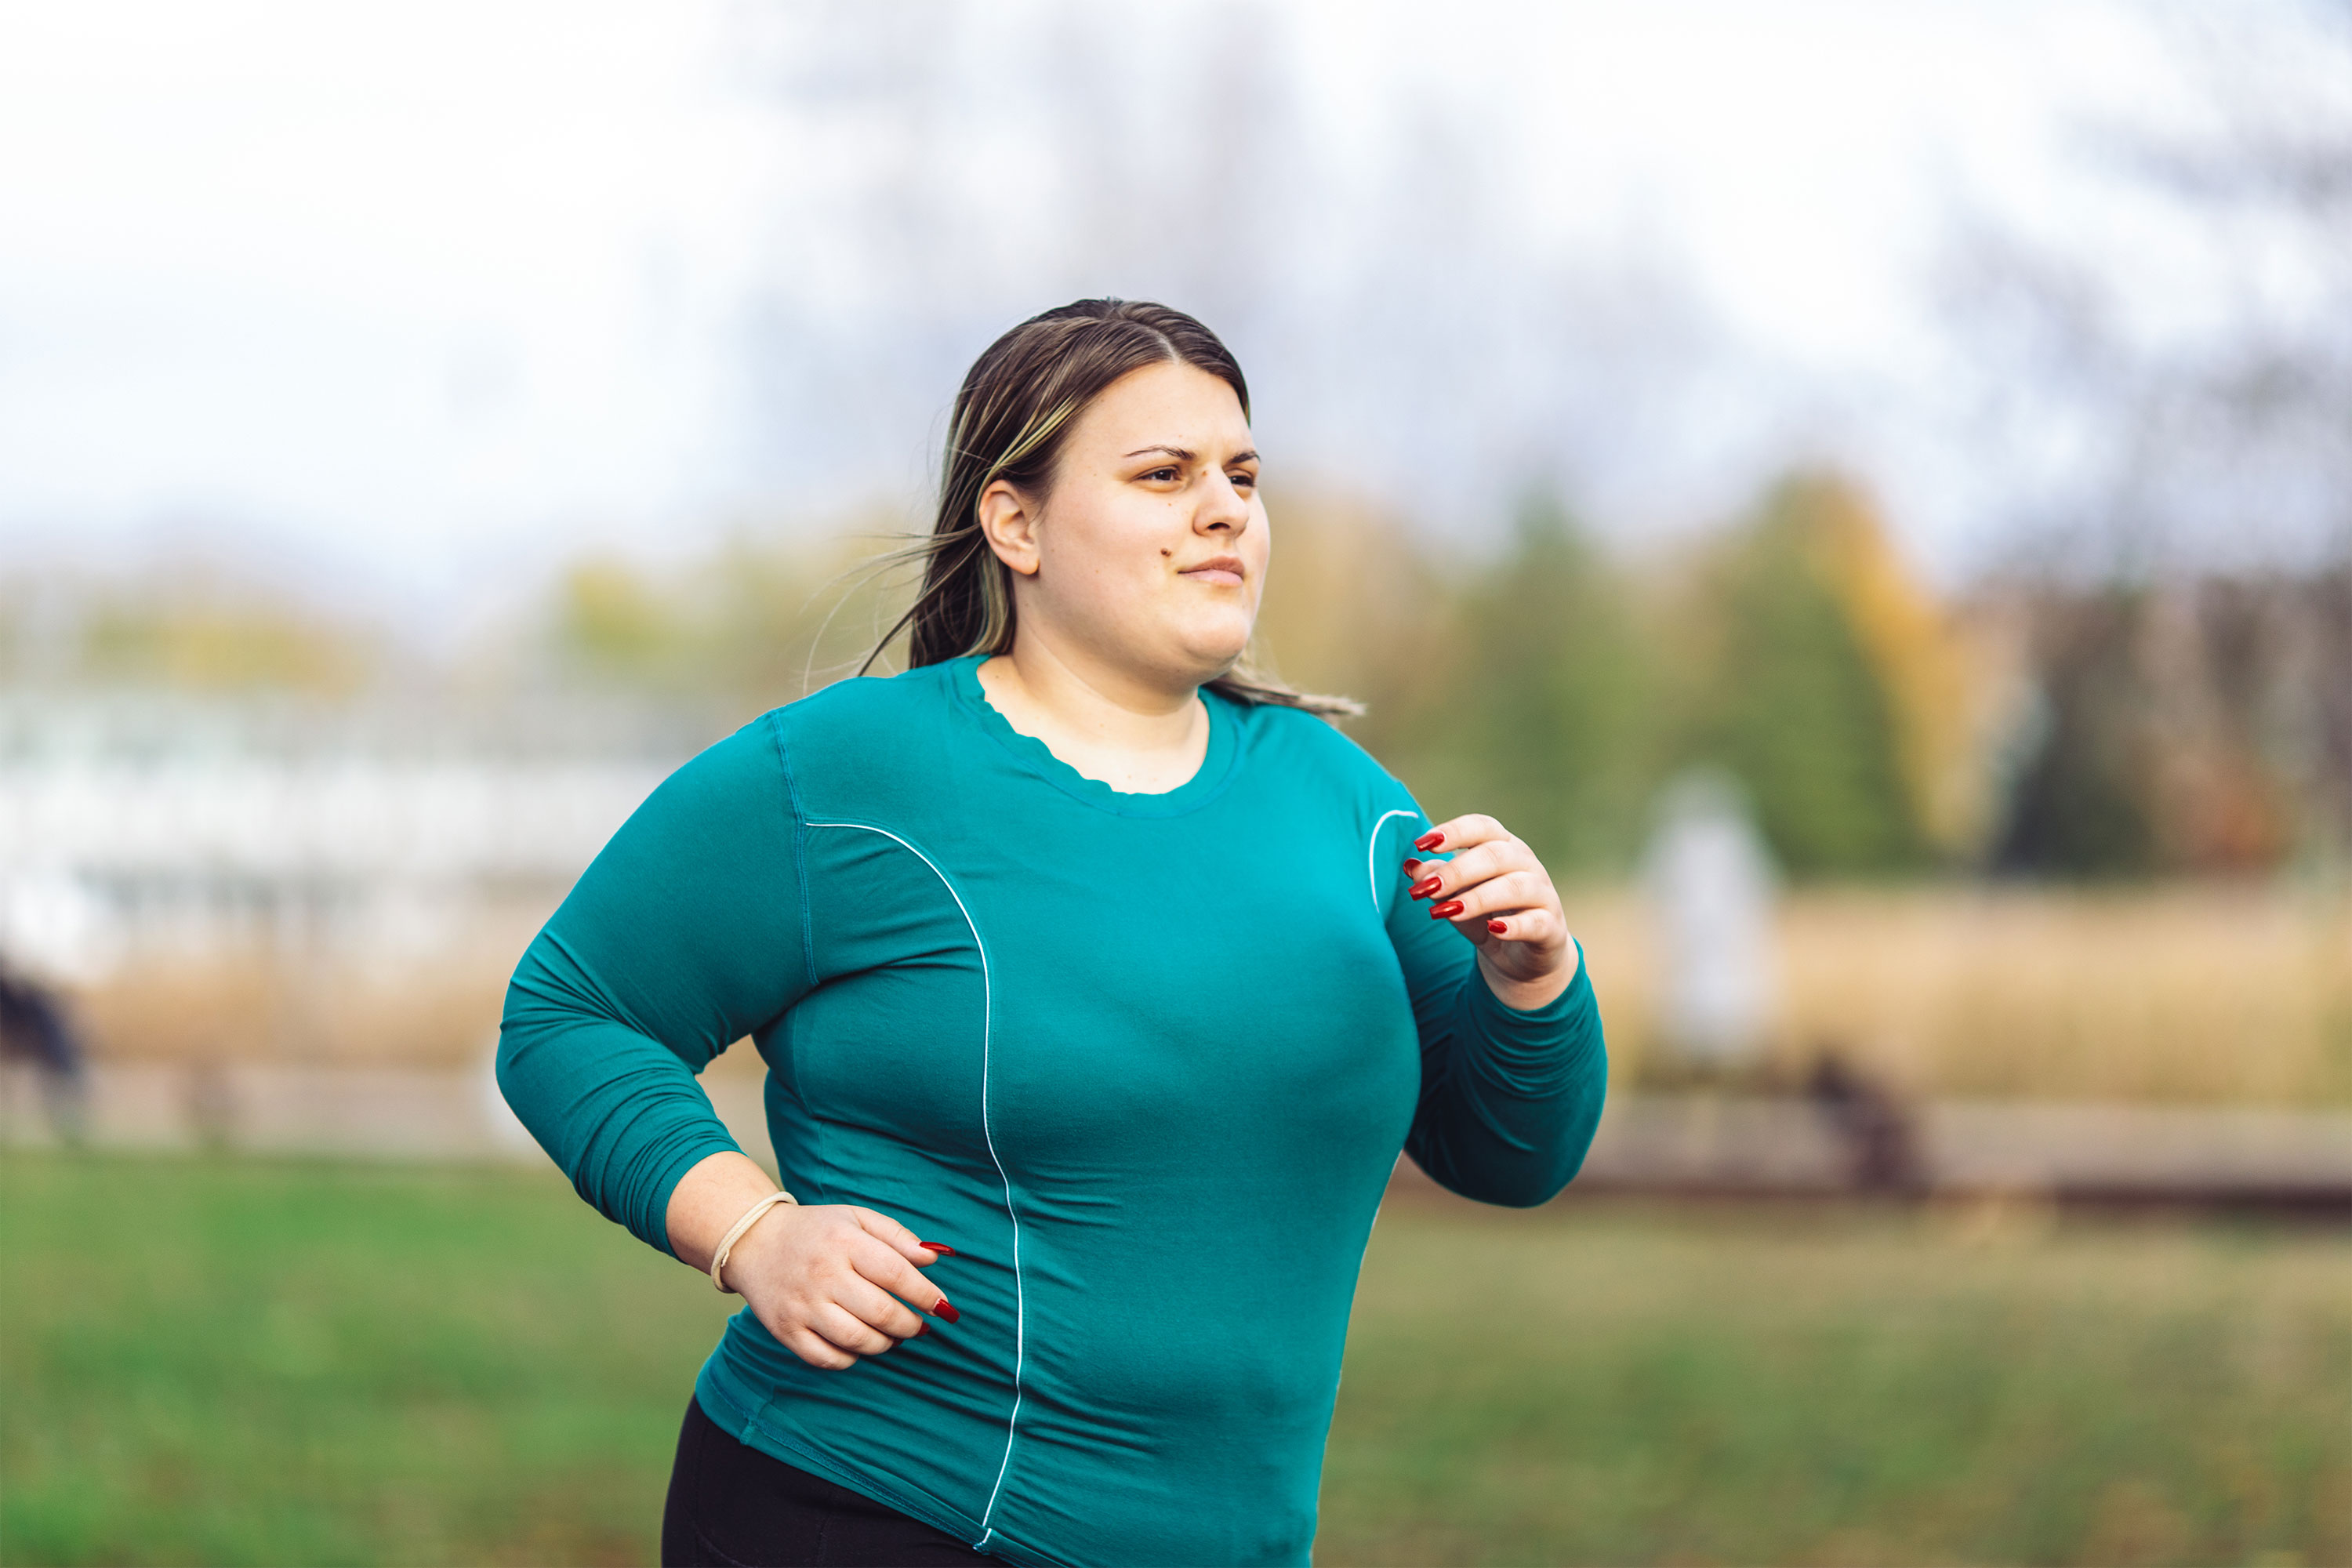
(800, 840)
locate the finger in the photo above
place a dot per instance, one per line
(878, 1308)
(1538, 928)
(1423, 878)
(1461, 833)
(1497, 895)
(844, 1331)
(878, 1264)
(890, 1231)
(1438, 880)
(805, 1344)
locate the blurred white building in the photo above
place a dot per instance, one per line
(144, 826)
(1711, 883)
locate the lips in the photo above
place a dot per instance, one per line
(1222, 569)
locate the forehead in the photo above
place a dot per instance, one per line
(1168, 404)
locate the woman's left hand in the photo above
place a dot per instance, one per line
(1498, 894)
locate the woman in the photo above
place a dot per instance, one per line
(1100, 986)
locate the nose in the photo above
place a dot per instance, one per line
(1222, 507)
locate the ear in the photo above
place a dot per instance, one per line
(1009, 526)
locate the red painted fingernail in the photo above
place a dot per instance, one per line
(946, 1313)
(935, 1247)
(1496, 926)
(1423, 889)
(1429, 841)
(1412, 866)
(1446, 910)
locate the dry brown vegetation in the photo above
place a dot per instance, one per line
(2188, 994)
(256, 1005)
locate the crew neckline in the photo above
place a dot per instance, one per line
(1207, 781)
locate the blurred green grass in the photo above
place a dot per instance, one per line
(1617, 1384)
(251, 1362)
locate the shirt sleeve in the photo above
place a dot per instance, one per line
(1509, 1100)
(683, 935)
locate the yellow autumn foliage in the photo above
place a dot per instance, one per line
(1941, 683)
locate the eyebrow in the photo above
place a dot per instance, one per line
(1181, 454)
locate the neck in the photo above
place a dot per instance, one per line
(1116, 726)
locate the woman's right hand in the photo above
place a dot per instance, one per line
(832, 1282)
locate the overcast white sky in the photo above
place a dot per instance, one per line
(423, 296)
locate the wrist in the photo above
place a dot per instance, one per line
(743, 1226)
(1526, 994)
(707, 1201)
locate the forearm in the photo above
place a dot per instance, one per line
(1511, 1097)
(622, 1116)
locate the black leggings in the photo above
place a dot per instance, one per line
(731, 1506)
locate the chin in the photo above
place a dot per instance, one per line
(1212, 650)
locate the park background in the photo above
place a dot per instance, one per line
(422, 428)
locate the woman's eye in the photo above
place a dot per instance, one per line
(1244, 481)
(1161, 474)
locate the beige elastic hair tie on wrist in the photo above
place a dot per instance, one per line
(727, 1243)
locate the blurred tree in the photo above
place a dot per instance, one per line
(1351, 608)
(1935, 685)
(2186, 726)
(1784, 694)
(2191, 614)
(782, 614)
(2075, 809)
(763, 618)
(19, 658)
(200, 634)
(1545, 716)
(614, 626)
(2218, 784)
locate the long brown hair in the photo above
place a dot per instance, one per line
(1011, 416)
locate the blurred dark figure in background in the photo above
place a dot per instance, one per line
(1882, 1148)
(34, 1027)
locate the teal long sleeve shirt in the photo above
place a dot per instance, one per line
(1144, 1061)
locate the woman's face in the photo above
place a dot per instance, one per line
(1149, 553)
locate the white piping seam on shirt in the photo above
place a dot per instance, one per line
(1372, 855)
(987, 1028)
